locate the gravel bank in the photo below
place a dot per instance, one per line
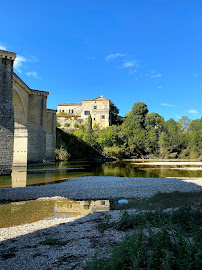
(77, 242)
(103, 187)
(175, 163)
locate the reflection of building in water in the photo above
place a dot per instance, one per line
(81, 207)
(19, 177)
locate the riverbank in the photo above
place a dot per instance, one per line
(103, 187)
(67, 242)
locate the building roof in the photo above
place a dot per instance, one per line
(70, 104)
(98, 98)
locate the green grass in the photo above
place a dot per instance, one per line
(157, 240)
(52, 242)
(161, 201)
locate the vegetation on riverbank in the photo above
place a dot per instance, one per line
(156, 240)
(141, 135)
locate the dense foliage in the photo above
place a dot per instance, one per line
(144, 134)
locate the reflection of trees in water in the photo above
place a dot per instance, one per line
(131, 170)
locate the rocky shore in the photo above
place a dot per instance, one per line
(103, 187)
(66, 243)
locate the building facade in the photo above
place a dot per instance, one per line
(98, 109)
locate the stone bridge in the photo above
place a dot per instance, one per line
(27, 127)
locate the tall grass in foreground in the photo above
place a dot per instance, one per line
(158, 240)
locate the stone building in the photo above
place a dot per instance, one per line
(98, 109)
(27, 127)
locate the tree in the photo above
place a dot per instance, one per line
(184, 123)
(114, 113)
(137, 114)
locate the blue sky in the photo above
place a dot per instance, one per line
(128, 51)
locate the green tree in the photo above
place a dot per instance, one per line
(184, 123)
(114, 112)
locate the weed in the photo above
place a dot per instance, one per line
(52, 242)
(176, 244)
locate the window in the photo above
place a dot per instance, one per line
(87, 112)
(72, 111)
(103, 116)
(102, 202)
(95, 107)
(63, 111)
(94, 119)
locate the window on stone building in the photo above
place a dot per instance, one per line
(72, 111)
(95, 107)
(103, 116)
(63, 110)
(102, 202)
(87, 112)
(94, 119)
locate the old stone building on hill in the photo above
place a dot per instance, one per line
(77, 113)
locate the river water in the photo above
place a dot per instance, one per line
(18, 213)
(57, 172)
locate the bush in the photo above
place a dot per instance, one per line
(76, 125)
(67, 124)
(58, 124)
(61, 154)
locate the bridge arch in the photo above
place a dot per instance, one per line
(20, 127)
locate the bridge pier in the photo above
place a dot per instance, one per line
(6, 112)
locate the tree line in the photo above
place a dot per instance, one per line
(144, 135)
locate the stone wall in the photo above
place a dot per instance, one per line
(36, 144)
(27, 127)
(6, 112)
(50, 126)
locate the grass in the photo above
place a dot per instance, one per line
(52, 242)
(157, 240)
(161, 201)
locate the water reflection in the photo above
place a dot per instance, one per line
(60, 171)
(19, 177)
(19, 213)
(69, 207)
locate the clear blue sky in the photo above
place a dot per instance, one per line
(125, 50)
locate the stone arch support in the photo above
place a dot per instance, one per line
(20, 128)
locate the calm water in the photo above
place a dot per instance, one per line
(22, 177)
(18, 213)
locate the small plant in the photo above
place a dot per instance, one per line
(76, 125)
(52, 242)
(105, 224)
(58, 124)
(67, 125)
(61, 154)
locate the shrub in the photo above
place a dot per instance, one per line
(58, 124)
(61, 154)
(76, 125)
(67, 124)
